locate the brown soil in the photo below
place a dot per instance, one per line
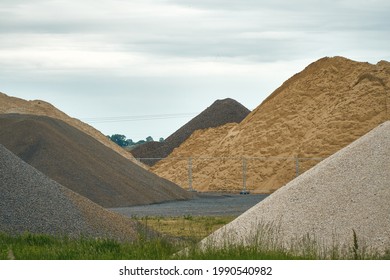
(82, 164)
(219, 113)
(318, 111)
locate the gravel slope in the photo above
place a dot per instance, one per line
(82, 164)
(12, 105)
(30, 201)
(349, 191)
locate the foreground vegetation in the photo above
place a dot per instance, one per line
(177, 233)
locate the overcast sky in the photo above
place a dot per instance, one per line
(143, 68)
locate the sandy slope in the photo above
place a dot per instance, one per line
(315, 113)
(219, 113)
(349, 191)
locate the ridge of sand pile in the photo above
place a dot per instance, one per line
(10, 105)
(82, 164)
(219, 113)
(32, 202)
(348, 191)
(315, 113)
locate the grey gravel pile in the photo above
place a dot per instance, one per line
(30, 201)
(347, 194)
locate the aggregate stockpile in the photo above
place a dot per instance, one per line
(315, 113)
(32, 202)
(9, 104)
(82, 164)
(346, 194)
(219, 113)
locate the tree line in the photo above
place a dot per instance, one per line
(122, 141)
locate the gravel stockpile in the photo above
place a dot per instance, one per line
(30, 201)
(219, 113)
(12, 105)
(349, 191)
(82, 164)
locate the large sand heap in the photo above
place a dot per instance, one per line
(349, 191)
(318, 111)
(10, 105)
(219, 113)
(82, 164)
(30, 201)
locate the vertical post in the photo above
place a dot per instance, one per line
(244, 191)
(296, 166)
(190, 174)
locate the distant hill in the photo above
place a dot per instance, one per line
(83, 164)
(32, 202)
(315, 113)
(219, 113)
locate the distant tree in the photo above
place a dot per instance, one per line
(119, 139)
(161, 139)
(149, 139)
(130, 142)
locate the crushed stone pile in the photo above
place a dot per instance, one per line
(347, 192)
(13, 105)
(82, 164)
(30, 201)
(315, 113)
(219, 113)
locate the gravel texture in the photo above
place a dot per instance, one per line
(30, 201)
(83, 164)
(349, 191)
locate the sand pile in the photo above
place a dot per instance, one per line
(219, 113)
(82, 164)
(30, 201)
(315, 113)
(349, 191)
(10, 104)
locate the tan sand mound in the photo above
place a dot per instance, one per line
(32, 202)
(219, 113)
(10, 105)
(82, 164)
(347, 192)
(318, 111)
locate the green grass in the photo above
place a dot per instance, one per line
(178, 234)
(43, 247)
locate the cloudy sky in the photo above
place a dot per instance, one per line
(143, 68)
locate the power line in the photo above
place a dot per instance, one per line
(137, 118)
